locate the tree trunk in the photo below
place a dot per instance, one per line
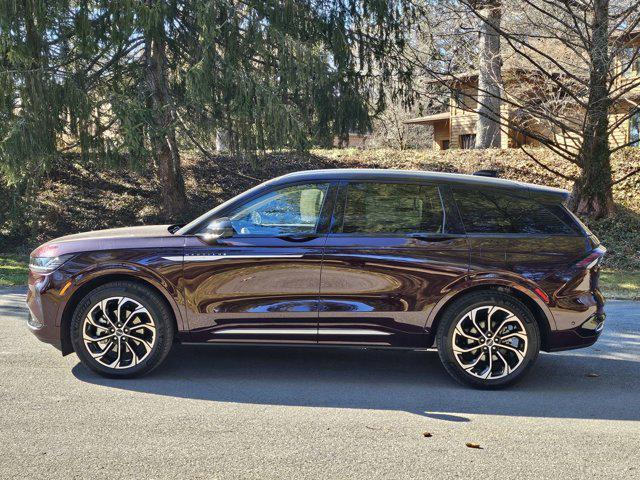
(163, 132)
(222, 140)
(489, 77)
(592, 195)
(36, 108)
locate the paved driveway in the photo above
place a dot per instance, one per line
(223, 412)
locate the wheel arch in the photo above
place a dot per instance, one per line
(543, 319)
(95, 282)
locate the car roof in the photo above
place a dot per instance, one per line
(419, 175)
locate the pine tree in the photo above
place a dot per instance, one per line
(125, 81)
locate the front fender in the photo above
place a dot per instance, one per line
(96, 274)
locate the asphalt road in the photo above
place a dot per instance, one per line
(239, 412)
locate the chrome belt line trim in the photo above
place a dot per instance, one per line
(213, 258)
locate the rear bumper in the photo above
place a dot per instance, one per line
(584, 335)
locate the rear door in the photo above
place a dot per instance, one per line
(388, 258)
(261, 284)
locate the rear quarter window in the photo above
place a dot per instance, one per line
(485, 211)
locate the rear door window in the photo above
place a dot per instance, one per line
(485, 211)
(391, 208)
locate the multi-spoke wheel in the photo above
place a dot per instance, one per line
(122, 329)
(119, 332)
(488, 339)
(489, 342)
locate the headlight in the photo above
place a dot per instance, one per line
(47, 264)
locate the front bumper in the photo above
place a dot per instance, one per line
(43, 311)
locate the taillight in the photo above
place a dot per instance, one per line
(592, 259)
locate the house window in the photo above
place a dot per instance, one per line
(457, 98)
(631, 61)
(634, 129)
(445, 144)
(468, 141)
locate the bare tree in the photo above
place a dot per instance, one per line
(489, 74)
(592, 190)
(565, 86)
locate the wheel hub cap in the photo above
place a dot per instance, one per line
(489, 342)
(119, 332)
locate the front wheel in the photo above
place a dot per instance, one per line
(488, 339)
(122, 329)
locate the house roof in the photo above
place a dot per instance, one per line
(428, 118)
(453, 77)
(625, 34)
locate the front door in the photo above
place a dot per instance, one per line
(261, 284)
(389, 257)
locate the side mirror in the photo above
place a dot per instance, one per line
(217, 229)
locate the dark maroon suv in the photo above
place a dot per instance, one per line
(486, 270)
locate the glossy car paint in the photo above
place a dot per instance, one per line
(385, 287)
(381, 287)
(132, 252)
(330, 288)
(241, 285)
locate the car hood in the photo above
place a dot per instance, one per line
(152, 236)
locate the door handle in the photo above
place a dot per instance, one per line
(435, 237)
(298, 238)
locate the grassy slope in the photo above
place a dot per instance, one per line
(86, 197)
(13, 269)
(620, 284)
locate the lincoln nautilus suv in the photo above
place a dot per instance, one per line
(487, 271)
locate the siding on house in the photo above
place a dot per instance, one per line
(441, 133)
(463, 117)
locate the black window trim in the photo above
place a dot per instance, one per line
(341, 202)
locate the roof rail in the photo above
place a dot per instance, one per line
(487, 173)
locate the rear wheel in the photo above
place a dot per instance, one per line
(488, 339)
(122, 329)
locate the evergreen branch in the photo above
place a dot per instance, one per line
(208, 154)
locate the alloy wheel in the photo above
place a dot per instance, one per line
(489, 342)
(119, 332)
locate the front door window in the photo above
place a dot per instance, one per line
(291, 210)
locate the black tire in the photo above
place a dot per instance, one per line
(461, 307)
(162, 318)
